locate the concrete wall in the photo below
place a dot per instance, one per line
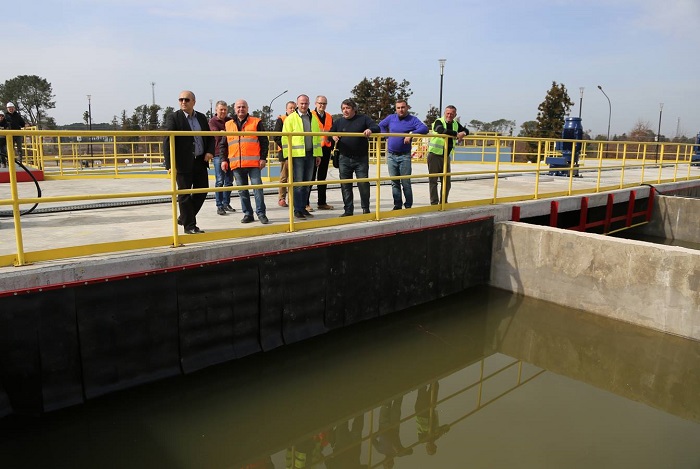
(674, 218)
(655, 286)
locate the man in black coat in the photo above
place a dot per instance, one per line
(15, 122)
(192, 156)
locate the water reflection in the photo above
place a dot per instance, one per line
(631, 234)
(481, 379)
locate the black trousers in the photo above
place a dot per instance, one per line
(190, 204)
(320, 174)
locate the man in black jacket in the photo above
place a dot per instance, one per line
(16, 122)
(192, 156)
(354, 153)
(446, 125)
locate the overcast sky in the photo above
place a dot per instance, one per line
(502, 55)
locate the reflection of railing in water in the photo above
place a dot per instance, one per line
(308, 451)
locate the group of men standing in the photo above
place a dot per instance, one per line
(243, 157)
(11, 120)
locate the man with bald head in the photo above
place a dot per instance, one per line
(247, 156)
(192, 156)
(305, 152)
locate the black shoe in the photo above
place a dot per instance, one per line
(179, 221)
(263, 219)
(346, 214)
(220, 211)
(247, 219)
(365, 210)
(307, 214)
(194, 230)
(396, 208)
(228, 208)
(299, 215)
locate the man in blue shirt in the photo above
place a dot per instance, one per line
(398, 155)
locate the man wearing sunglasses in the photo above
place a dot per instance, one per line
(192, 156)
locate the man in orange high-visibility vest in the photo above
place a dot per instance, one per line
(325, 121)
(247, 156)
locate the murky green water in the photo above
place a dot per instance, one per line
(484, 379)
(656, 240)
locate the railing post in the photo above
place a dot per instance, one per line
(14, 196)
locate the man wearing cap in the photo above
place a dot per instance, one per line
(15, 121)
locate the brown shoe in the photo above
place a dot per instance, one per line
(282, 203)
(325, 207)
(308, 208)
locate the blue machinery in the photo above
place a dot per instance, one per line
(561, 165)
(695, 159)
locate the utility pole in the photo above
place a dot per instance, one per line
(153, 92)
(442, 73)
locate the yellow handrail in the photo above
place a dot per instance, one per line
(508, 156)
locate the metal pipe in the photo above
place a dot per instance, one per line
(442, 73)
(609, 110)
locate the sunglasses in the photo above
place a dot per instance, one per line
(184, 100)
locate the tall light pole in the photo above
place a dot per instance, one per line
(609, 110)
(269, 108)
(442, 73)
(580, 103)
(153, 92)
(658, 134)
(89, 97)
(211, 108)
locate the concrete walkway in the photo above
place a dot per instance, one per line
(77, 227)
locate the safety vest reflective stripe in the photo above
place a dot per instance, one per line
(325, 125)
(437, 144)
(243, 150)
(294, 124)
(246, 140)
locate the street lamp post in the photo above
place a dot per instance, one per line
(269, 108)
(211, 108)
(442, 73)
(89, 97)
(658, 134)
(609, 110)
(580, 105)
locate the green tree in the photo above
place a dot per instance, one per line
(167, 113)
(552, 111)
(432, 115)
(528, 129)
(86, 118)
(140, 117)
(377, 97)
(153, 122)
(501, 126)
(32, 96)
(265, 116)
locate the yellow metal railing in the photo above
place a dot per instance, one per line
(605, 165)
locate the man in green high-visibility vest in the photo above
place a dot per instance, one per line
(446, 125)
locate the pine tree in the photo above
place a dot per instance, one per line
(552, 111)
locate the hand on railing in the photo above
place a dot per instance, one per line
(224, 166)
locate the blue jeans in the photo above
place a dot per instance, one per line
(400, 165)
(242, 175)
(359, 166)
(223, 179)
(303, 167)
